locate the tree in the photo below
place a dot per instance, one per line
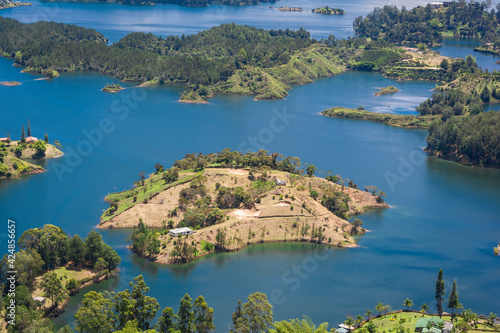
(371, 327)
(8, 139)
(379, 307)
(46, 137)
(424, 307)
(40, 148)
(52, 288)
(368, 314)
(28, 131)
(453, 303)
(485, 94)
(408, 303)
(220, 240)
(254, 316)
(93, 247)
(311, 170)
(439, 293)
(349, 322)
(359, 319)
(72, 285)
(445, 64)
(29, 265)
(145, 307)
(100, 265)
(23, 136)
(167, 321)
(203, 316)
(491, 317)
(96, 314)
(314, 194)
(185, 323)
(76, 251)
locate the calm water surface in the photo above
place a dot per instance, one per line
(442, 215)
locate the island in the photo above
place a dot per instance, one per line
(4, 4)
(113, 88)
(399, 120)
(496, 249)
(16, 157)
(228, 200)
(10, 83)
(291, 9)
(387, 91)
(329, 11)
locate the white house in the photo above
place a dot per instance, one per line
(280, 182)
(181, 231)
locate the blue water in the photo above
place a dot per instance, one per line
(442, 215)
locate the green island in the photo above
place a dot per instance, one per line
(4, 4)
(387, 91)
(16, 156)
(329, 11)
(10, 83)
(428, 25)
(187, 3)
(496, 249)
(52, 266)
(113, 87)
(229, 200)
(400, 120)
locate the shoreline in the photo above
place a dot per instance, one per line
(165, 261)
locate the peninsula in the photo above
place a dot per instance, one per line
(16, 156)
(232, 200)
(399, 120)
(4, 4)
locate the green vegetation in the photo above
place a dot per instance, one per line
(13, 154)
(425, 25)
(187, 3)
(328, 10)
(424, 121)
(52, 264)
(113, 87)
(4, 4)
(470, 140)
(387, 91)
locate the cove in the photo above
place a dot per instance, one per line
(443, 215)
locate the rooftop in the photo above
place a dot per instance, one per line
(177, 230)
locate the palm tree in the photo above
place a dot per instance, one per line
(359, 319)
(408, 303)
(349, 322)
(387, 309)
(371, 327)
(491, 317)
(380, 308)
(368, 314)
(424, 308)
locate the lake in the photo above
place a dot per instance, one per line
(442, 215)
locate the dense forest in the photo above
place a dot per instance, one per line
(204, 58)
(188, 3)
(428, 25)
(470, 140)
(42, 265)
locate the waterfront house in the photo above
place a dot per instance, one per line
(31, 139)
(4, 139)
(39, 299)
(421, 325)
(181, 232)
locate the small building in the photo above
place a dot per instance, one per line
(280, 182)
(421, 325)
(39, 299)
(4, 139)
(31, 139)
(181, 232)
(496, 321)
